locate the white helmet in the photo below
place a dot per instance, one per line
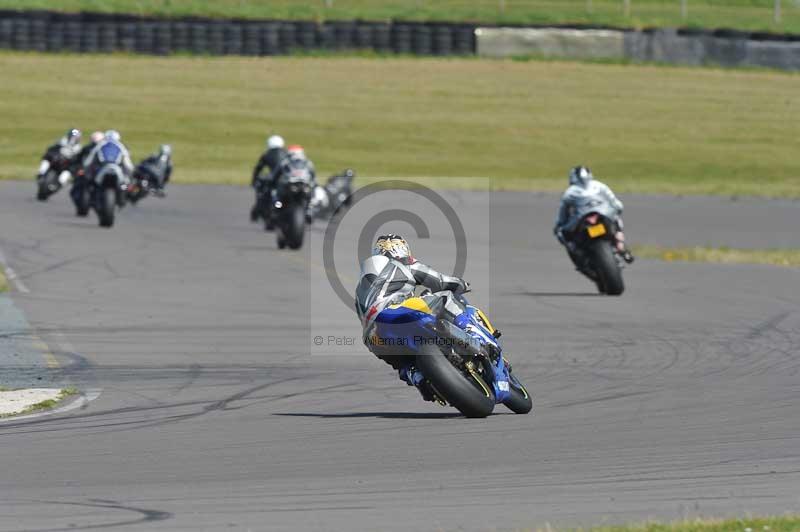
(580, 175)
(275, 141)
(113, 135)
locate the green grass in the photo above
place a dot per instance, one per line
(641, 128)
(3, 284)
(761, 524)
(745, 14)
(723, 255)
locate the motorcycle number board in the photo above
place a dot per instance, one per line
(596, 230)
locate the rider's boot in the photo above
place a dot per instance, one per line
(413, 377)
(622, 249)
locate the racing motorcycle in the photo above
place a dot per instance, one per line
(107, 192)
(326, 201)
(595, 238)
(49, 180)
(142, 184)
(290, 200)
(466, 371)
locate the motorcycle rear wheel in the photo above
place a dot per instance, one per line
(83, 202)
(609, 273)
(295, 227)
(47, 186)
(42, 193)
(470, 395)
(107, 199)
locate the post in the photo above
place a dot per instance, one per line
(777, 11)
(502, 6)
(626, 8)
(684, 9)
(589, 6)
(329, 3)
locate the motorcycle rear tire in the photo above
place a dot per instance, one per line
(83, 202)
(44, 190)
(473, 400)
(608, 271)
(295, 227)
(42, 193)
(107, 204)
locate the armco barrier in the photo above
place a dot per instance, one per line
(95, 32)
(681, 47)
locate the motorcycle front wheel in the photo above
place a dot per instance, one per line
(520, 401)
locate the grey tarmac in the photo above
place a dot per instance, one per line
(681, 398)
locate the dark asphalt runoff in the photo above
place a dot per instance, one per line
(218, 411)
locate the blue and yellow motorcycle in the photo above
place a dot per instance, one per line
(462, 362)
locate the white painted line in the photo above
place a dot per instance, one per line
(12, 276)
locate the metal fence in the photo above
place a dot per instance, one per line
(745, 14)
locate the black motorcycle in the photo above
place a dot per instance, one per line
(143, 183)
(596, 254)
(52, 165)
(290, 206)
(336, 194)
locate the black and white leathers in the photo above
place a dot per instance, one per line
(384, 281)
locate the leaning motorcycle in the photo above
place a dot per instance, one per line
(290, 206)
(108, 189)
(327, 200)
(50, 169)
(595, 240)
(466, 370)
(142, 184)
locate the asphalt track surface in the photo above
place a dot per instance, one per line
(680, 398)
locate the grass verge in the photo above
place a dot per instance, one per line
(723, 255)
(744, 14)
(641, 128)
(42, 405)
(3, 283)
(758, 524)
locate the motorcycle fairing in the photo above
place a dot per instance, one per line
(403, 325)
